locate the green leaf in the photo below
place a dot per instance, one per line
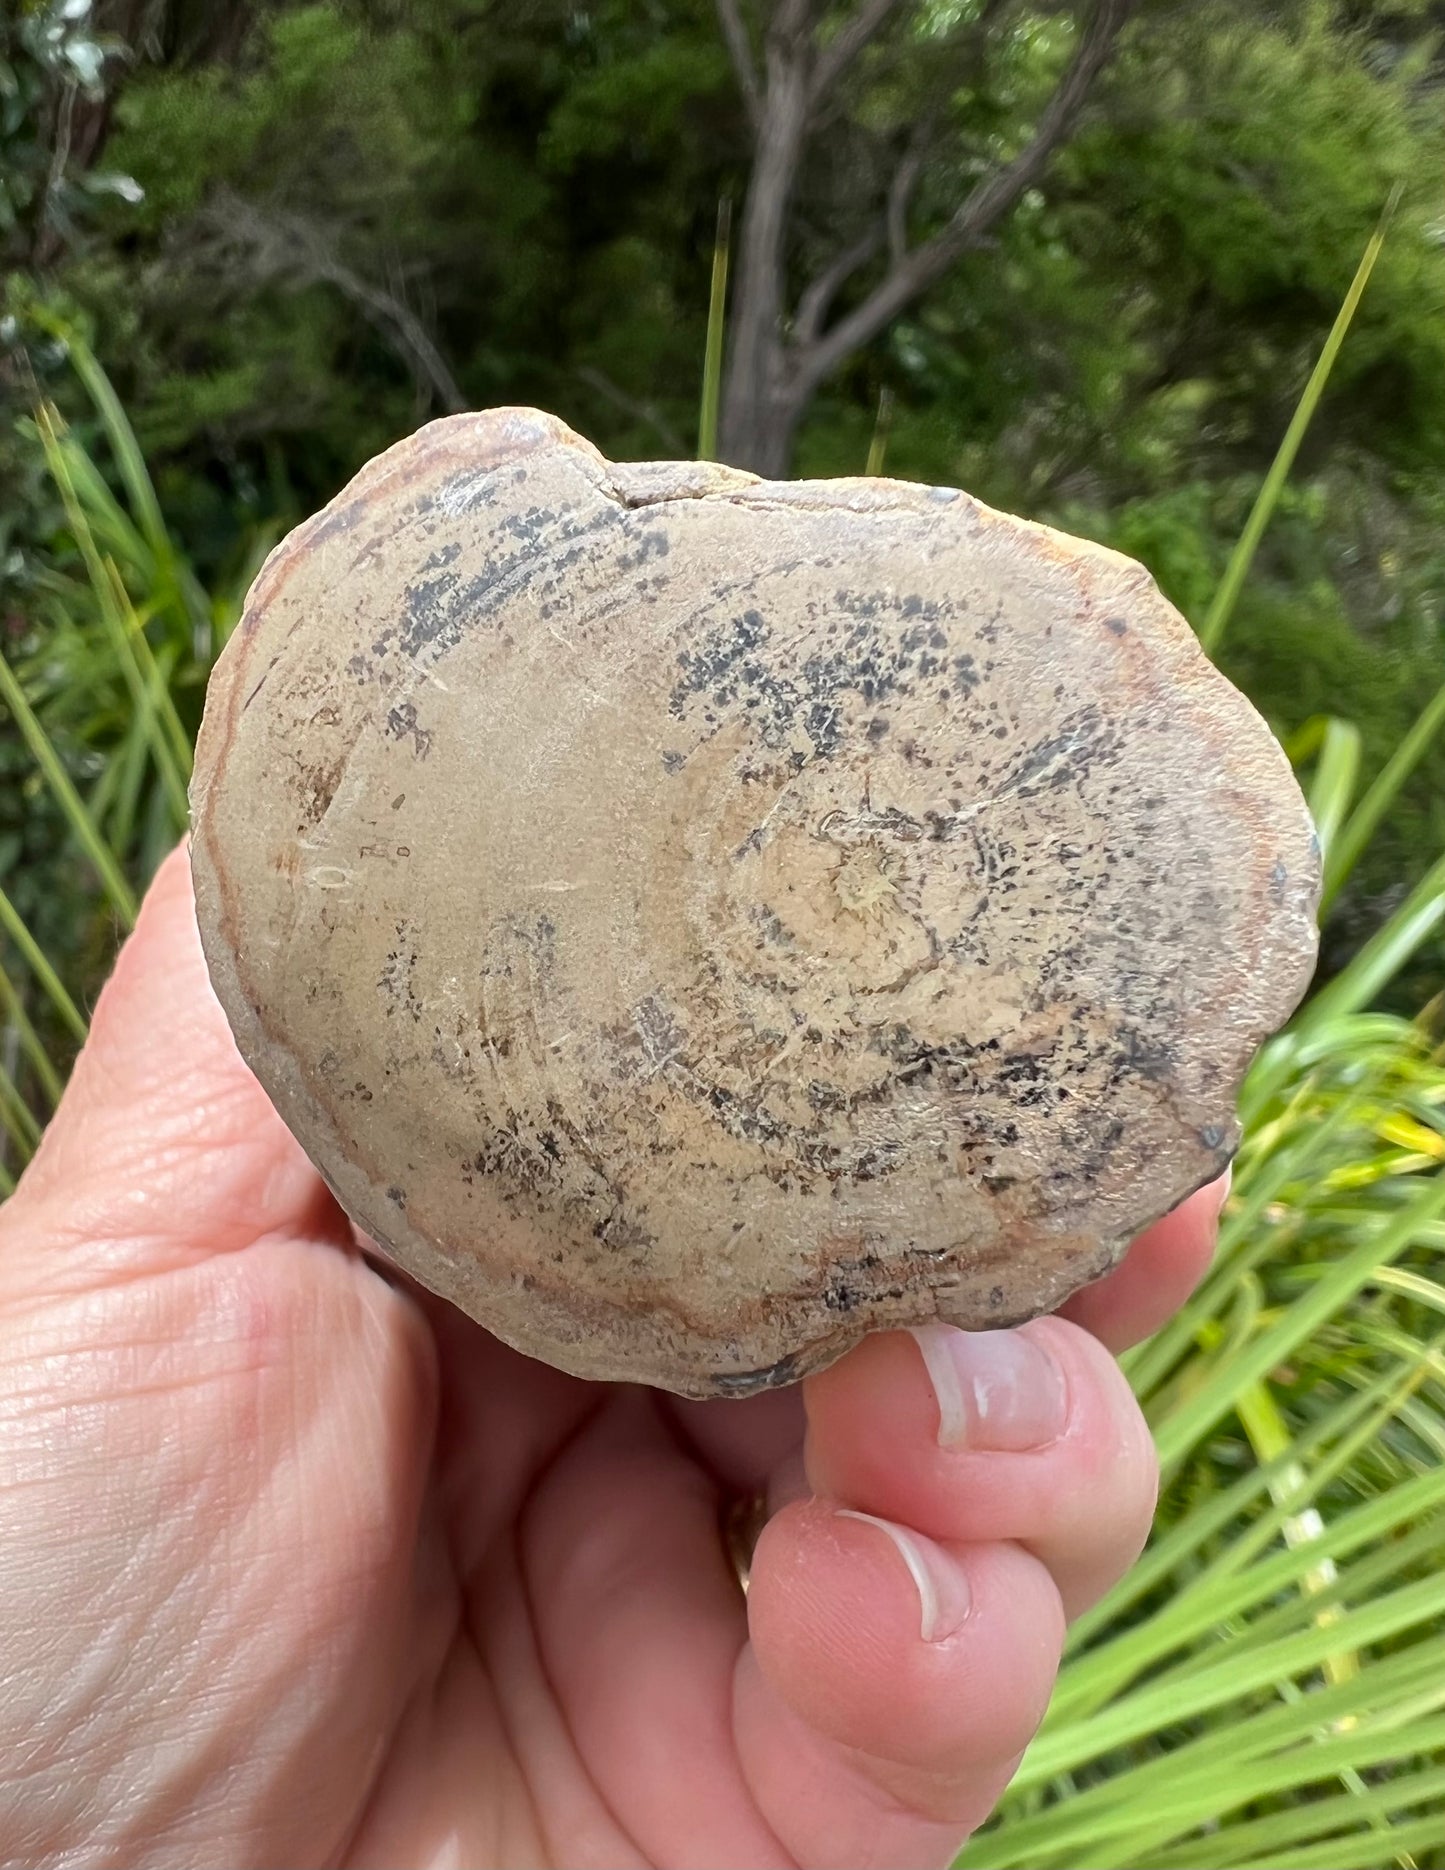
(1216, 621)
(12, 1006)
(1382, 957)
(69, 800)
(34, 958)
(133, 653)
(1333, 784)
(707, 421)
(882, 425)
(16, 1118)
(1343, 849)
(1221, 1389)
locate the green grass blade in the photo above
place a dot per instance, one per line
(1248, 1594)
(126, 772)
(107, 518)
(1188, 1615)
(12, 1006)
(69, 800)
(1332, 786)
(1394, 1279)
(1382, 956)
(128, 458)
(712, 363)
(16, 1116)
(882, 427)
(1303, 1529)
(143, 541)
(1141, 1845)
(1217, 619)
(1220, 1391)
(1382, 1688)
(158, 834)
(1288, 1746)
(1284, 1746)
(1343, 852)
(100, 800)
(1370, 1041)
(1243, 1238)
(1281, 1831)
(1081, 1683)
(14, 927)
(1217, 1598)
(1366, 1852)
(157, 688)
(130, 645)
(1304, 743)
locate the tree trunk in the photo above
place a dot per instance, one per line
(775, 368)
(760, 408)
(760, 413)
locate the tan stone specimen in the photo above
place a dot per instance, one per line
(692, 921)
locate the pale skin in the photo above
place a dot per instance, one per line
(303, 1568)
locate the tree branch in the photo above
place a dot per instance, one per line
(279, 245)
(818, 296)
(634, 406)
(845, 45)
(913, 272)
(900, 193)
(792, 21)
(735, 35)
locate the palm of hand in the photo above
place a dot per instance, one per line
(310, 1570)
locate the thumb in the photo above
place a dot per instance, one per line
(164, 1148)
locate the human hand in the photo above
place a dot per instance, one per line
(302, 1567)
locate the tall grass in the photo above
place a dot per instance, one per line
(1270, 1676)
(1216, 620)
(1267, 1688)
(712, 365)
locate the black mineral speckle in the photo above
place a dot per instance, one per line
(875, 645)
(402, 723)
(744, 1382)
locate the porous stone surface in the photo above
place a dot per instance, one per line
(691, 921)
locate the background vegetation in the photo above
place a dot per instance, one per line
(294, 231)
(245, 246)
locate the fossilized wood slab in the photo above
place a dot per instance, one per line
(691, 921)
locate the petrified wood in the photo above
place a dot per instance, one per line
(692, 921)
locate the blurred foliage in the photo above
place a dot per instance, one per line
(54, 66)
(1264, 1688)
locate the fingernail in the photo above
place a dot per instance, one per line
(997, 1391)
(944, 1599)
(1223, 1185)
